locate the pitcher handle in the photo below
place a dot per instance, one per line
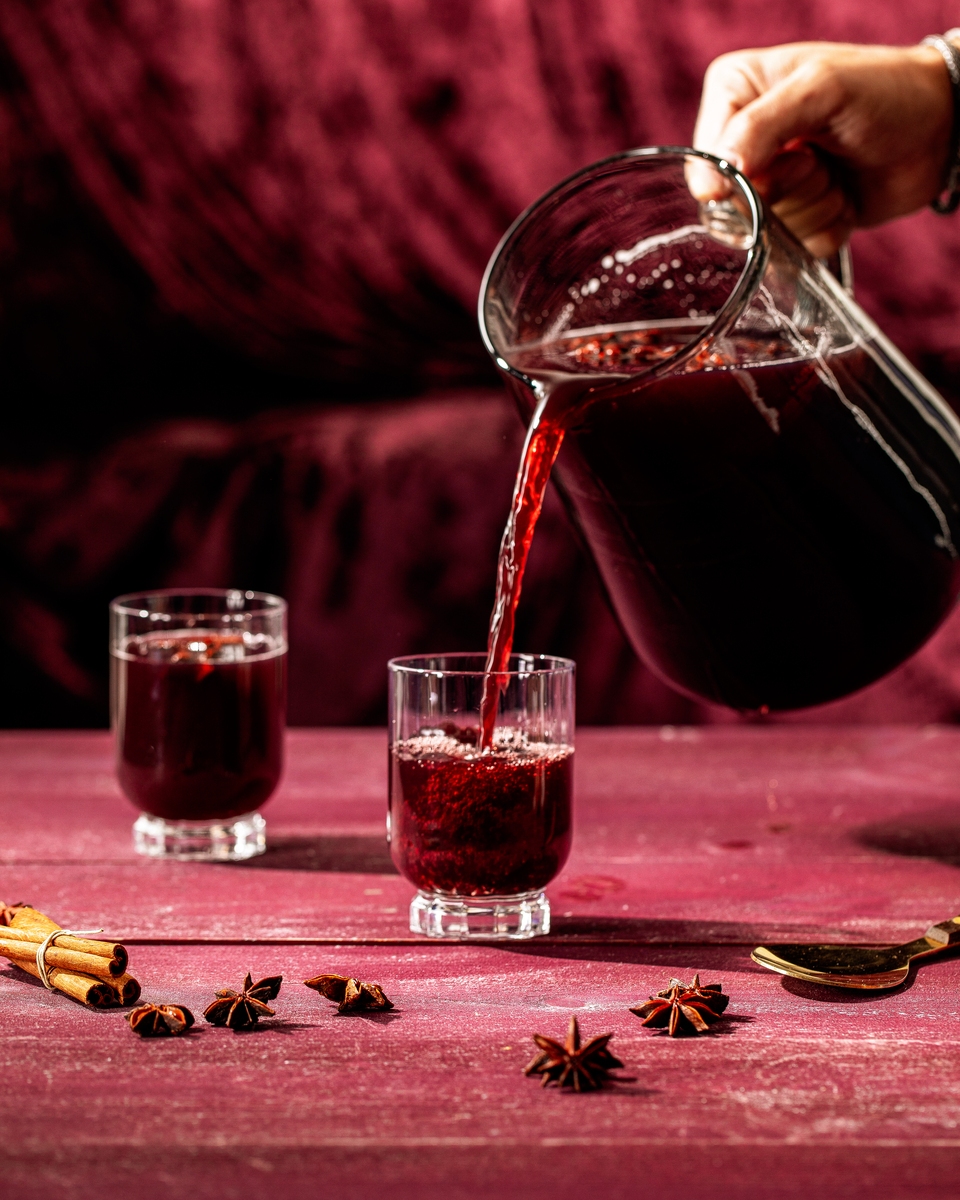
(840, 265)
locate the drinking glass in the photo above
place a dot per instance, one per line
(480, 832)
(198, 686)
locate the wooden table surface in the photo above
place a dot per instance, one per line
(691, 847)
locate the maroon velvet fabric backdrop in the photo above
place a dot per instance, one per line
(240, 246)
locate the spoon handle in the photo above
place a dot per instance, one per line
(945, 933)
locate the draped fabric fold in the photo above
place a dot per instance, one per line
(241, 239)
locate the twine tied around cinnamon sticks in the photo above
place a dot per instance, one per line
(93, 972)
(48, 941)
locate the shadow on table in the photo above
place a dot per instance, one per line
(665, 931)
(725, 1028)
(361, 854)
(832, 995)
(267, 1026)
(372, 1018)
(710, 945)
(933, 833)
(685, 961)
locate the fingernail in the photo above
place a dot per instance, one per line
(731, 157)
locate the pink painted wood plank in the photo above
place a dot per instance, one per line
(60, 800)
(854, 1086)
(689, 835)
(474, 1169)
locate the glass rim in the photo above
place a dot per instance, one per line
(267, 603)
(414, 664)
(725, 316)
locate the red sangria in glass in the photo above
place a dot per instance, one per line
(198, 699)
(479, 824)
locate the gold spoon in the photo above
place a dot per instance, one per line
(857, 966)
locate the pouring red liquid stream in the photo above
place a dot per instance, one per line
(559, 405)
(543, 442)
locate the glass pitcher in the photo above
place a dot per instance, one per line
(770, 491)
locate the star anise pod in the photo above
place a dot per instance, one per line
(160, 1020)
(583, 1068)
(242, 1010)
(350, 995)
(710, 993)
(9, 911)
(684, 1009)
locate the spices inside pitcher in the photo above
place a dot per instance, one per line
(776, 517)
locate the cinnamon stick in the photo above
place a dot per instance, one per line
(126, 989)
(107, 969)
(29, 924)
(94, 992)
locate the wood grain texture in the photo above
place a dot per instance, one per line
(709, 838)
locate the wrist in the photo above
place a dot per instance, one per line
(937, 88)
(944, 130)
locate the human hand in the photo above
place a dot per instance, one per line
(833, 136)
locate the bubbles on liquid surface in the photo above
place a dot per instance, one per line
(452, 742)
(200, 646)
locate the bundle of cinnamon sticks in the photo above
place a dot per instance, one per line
(92, 972)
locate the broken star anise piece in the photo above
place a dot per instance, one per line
(583, 1068)
(242, 1010)
(350, 995)
(160, 1020)
(684, 1009)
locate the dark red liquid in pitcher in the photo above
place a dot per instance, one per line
(200, 723)
(773, 530)
(472, 823)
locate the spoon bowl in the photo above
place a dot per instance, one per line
(864, 967)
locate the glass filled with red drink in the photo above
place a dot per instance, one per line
(198, 698)
(481, 785)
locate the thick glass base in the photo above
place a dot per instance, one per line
(517, 917)
(232, 840)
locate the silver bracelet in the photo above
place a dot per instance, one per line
(949, 199)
